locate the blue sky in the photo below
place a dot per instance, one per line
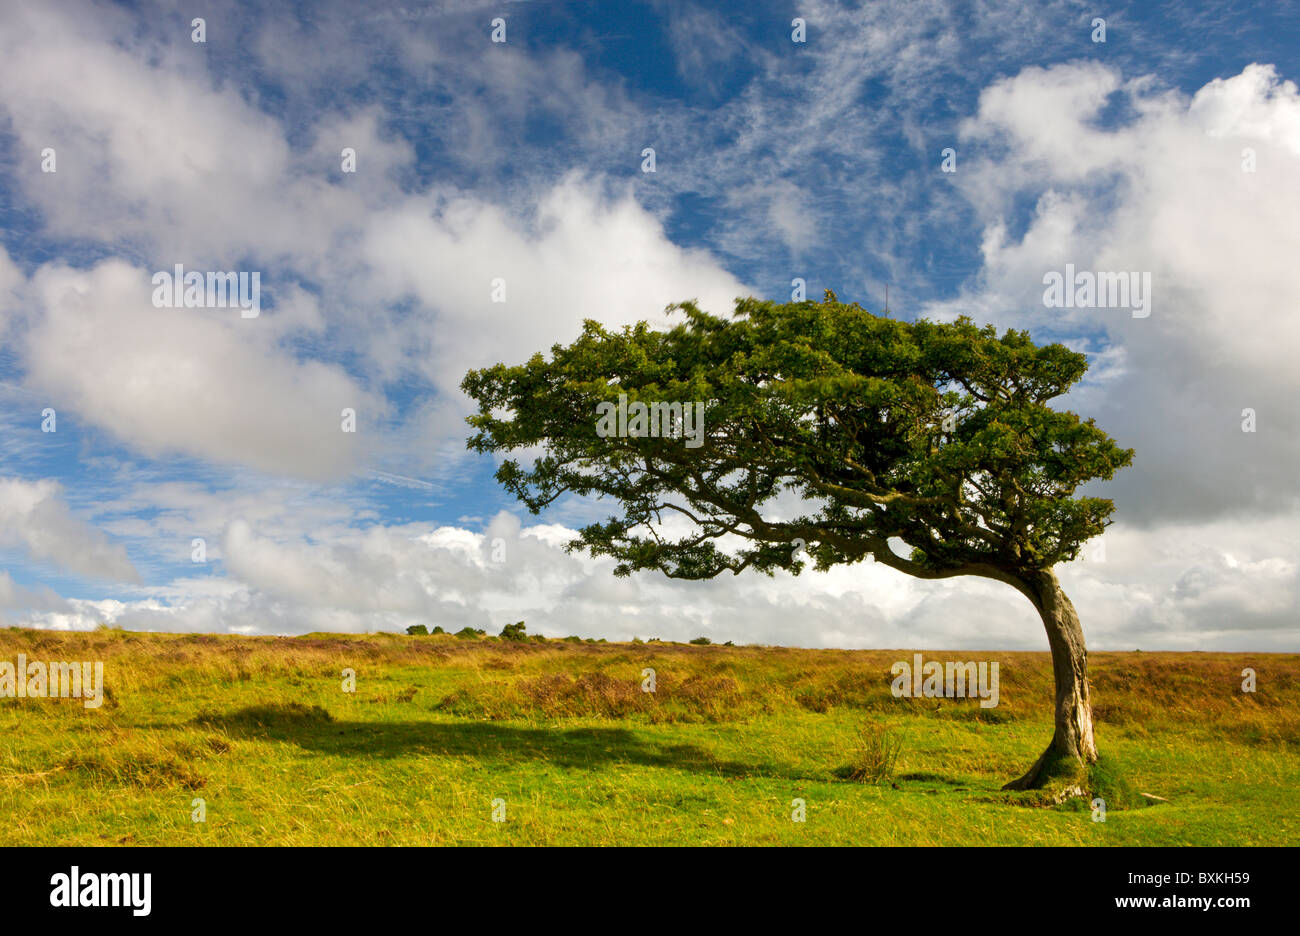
(522, 160)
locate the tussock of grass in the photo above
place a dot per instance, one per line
(147, 769)
(1108, 780)
(876, 754)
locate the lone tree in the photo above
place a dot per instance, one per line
(933, 436)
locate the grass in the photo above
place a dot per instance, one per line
(876, 755)
(438, 727)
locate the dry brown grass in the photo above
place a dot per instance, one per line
(497, 679)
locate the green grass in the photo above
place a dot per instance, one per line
(439, 727)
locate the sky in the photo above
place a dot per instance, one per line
(186, 469)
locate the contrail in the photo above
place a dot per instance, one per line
(401, 480)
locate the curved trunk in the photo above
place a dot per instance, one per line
(1072, 740)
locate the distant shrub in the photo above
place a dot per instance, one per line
(573, 638)
(514, 632)
(469, 633)
(418, 630)
(701, 641)
(637, 640)
(437, 630)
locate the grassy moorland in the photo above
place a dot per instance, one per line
(439, 727)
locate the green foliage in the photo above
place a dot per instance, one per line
(514, 632)
(702, 641)
(437, 630)
(469, 633)
(418, 630)
(937, 434)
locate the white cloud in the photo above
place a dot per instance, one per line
(151, 154)
(581, 255)
(35, 518)
(158, 158)
(1152, 590)
(1163, 191)
(15, 597)
(203, 382)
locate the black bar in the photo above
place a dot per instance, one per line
(337, 885)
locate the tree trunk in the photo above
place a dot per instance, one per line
(1072, 747)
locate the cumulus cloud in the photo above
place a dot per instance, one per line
(14, 597)
(581, 252)
(400, 275)
(35, 518)
(203, 382)
(150, 153)
(1161, 191)
(1142, 589)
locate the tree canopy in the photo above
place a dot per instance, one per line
(867, 428)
